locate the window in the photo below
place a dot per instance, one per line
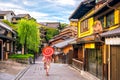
(84, 26)
(1, 17)
(97, 1)
(101, 19)
(11, 13)
(107, 20)
(110, 19)
(18, 18)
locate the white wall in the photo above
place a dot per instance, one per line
(8, 17)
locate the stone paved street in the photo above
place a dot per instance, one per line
(57, 72)
(5, 76)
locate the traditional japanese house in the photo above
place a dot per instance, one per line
(18, 17)
(96, 51)
(51, 24)
(109, 16)
(6, 15)
(74, 22)
(7, 41)
(43, 26)
(61, 43)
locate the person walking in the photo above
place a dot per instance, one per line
(47, 60)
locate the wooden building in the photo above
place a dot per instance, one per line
(7, 41)
(51, 24)
(61, 43)
(97, 48)
(18, 17)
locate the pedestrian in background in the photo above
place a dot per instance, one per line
(47, 60)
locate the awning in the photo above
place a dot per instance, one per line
(57, 52)
(92, 41)
(88, 39)
(115, 32)
(64, 43)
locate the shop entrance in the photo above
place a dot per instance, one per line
(94, 61)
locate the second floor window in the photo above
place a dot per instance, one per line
(107, 20)
(84, 26)
(110, 19)
(1, 17)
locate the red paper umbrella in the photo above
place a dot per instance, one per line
(48, 51)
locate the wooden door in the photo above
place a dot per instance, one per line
(115, 63)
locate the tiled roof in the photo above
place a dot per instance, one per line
(114, 32)
(54, 25)
(66, 33)
(21, 15)
(43, 23)
(70, 28)
(5, 12)
(64, 43)
(51, 24)
(6, 26)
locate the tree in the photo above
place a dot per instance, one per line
(63, 25)
(51, 32)
(29, 35)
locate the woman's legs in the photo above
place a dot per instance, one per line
(45, 65)
(47, 69)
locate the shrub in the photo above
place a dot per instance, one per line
(21, 56)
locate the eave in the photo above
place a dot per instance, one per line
(7, 27)
(105, 7)
(83, 8)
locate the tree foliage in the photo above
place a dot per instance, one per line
(29, 34)
(63, 25)
(10, 24)
(51, 32)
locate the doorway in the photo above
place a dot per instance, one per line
(94, 61)
(115, 62)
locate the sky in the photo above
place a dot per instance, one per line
(42, 10)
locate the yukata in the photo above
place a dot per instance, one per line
(47, 61)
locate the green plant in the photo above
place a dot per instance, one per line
(20, 56)
(51, 32)
(10, 24)
(29, 35)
